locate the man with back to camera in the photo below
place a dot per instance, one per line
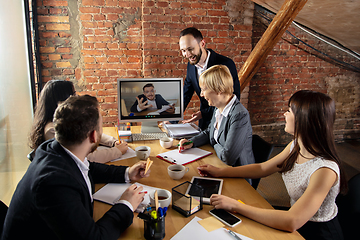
(54, 198)
(192, 47)
(149, 100)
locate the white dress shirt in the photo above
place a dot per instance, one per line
(219, 116)
(84, 169)
(200, 70)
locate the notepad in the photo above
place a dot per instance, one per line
(185, 157)
(112, 192)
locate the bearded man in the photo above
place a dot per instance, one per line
(192, 47)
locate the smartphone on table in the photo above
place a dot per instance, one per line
(225, 217)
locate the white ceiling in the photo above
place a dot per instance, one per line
(338, 20)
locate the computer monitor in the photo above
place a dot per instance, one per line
(166, 92)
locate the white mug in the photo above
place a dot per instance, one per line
(164, 198)
(166, 142)
(177, 171)
(142, 152)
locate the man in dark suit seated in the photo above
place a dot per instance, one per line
(54, 198)
(192, 47)
(150, 101)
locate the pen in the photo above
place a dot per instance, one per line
(232, 234)
(186, 143)
(143, 192)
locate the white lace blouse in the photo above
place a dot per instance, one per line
(297, 179)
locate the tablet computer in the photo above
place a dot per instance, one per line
(209, 185)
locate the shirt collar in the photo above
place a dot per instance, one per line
(206, 62)
(227, 108)
(83, 165)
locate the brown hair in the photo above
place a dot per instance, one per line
(314, 114)
(54, 91)
(75, 118)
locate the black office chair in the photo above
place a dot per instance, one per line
(262, 151)
(3, 211)
(349, 208)
(31, 155)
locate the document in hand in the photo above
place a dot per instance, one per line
(182, 130)
(112, 192)
(185, 157)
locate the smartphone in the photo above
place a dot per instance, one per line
(225, 217)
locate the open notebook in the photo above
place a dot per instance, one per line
(185, 157)
(111, 193)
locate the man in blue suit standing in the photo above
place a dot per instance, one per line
(192, 47)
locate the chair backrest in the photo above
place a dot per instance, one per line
(349, 208)
(3, 211)
(262, 151)
(31, 155)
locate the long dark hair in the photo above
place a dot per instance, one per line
(314, 114)
(54, 91)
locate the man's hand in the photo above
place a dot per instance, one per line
(123, 146)
(137, 171)
(171, 109)
(133, 195)
(194, 117)
(142, 105)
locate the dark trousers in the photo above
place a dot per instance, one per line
(330, 230)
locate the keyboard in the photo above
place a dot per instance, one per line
(147, 136)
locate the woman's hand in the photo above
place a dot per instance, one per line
(208, 170)
(183, 144)
(123, 146)
(223, 202)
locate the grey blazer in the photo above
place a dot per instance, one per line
(234, 145)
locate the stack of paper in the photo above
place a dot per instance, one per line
(181, 130)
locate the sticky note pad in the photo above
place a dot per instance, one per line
(211, 224)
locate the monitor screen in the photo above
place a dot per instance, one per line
(150, 99)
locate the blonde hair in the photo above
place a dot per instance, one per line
(218, 79)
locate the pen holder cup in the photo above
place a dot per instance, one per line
(187, 198)
(154, 229)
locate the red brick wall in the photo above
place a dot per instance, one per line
(94, 42)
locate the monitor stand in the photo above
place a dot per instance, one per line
(150, 127)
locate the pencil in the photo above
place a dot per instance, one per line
(117, 133)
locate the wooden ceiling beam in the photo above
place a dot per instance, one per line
(272, 35)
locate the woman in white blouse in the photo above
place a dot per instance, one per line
(310, 167)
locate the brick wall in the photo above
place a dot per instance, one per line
(94, 42)
(292, 66)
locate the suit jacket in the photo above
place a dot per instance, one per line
(52, 200)
(191, 84)
(160, 101)
(234, 145)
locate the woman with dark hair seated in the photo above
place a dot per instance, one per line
(310, 168)
(54, 92)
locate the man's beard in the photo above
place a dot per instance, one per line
(197, 58)
(95, 145)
